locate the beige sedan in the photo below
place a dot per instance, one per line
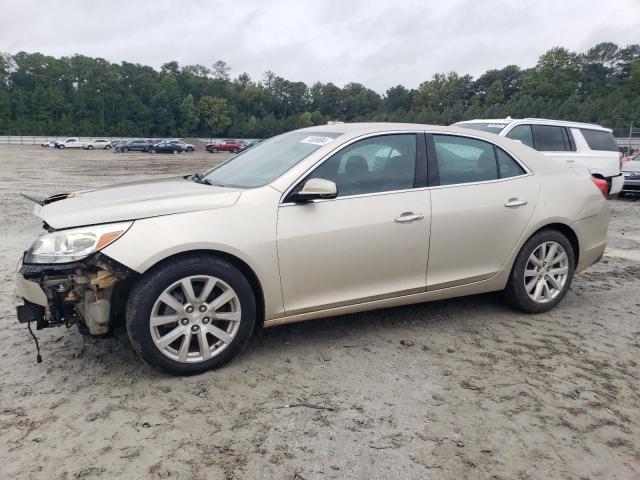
(313, 223)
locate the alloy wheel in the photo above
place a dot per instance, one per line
(195, 318)
(546, 272)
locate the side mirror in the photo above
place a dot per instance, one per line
(315, 189)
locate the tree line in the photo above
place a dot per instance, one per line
(80, 95)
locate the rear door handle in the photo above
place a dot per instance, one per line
(409, 217)
(515, 202)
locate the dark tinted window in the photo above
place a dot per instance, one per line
(464, 160)
(377, 164)
(550, 138)
(522, 133)
(508, 166)
(599, 140)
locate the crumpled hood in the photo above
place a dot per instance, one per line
(132, 201)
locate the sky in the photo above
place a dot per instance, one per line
(380, 43)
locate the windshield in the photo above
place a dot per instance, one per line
(268, 160)
(491, 127)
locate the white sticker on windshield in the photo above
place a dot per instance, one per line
(315, 140)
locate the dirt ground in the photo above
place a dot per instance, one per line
(465, 388)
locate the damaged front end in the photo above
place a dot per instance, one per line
(89, 293)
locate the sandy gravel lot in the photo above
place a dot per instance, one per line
(457, 389)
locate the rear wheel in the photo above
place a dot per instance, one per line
(61, 146)
(191, 314)
(152, 150)
(175, 151)
(542, 272)
(90, 147)
(125, 150)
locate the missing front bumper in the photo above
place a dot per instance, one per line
(79, 293)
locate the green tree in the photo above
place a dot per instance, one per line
(215, 114)
(188, 116)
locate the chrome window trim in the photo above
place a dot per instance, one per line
(281, 203)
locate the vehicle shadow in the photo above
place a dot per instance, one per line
(410, 322)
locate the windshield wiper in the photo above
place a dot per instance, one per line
(199, 178)
(213, 184)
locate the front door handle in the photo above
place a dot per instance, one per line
(515, 202)
(409, 217)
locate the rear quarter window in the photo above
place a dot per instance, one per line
(599, 140)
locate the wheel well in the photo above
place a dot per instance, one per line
(568, 232)
(246, 270)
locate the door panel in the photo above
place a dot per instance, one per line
(473, 232)
(352, 249)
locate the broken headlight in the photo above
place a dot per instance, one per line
(74, 244)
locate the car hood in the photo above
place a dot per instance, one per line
(631, 166)
(132, 201)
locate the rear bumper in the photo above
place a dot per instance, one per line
(592, 238)
(616, 184)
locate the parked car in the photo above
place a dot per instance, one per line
(631, 173)
(250, 143)
(317, 222)
(50, 143)
(71, 142)
(98, 143)
(584, 144)
(171, 146)
(233, 146)
(137, 145)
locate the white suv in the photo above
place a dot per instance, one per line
(591, 146)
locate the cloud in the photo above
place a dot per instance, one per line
(380, 43)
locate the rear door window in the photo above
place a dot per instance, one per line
(464, 160)
(599, 140)
(522, 133)
(507, 166)
(550, 138)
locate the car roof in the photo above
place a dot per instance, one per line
(545, 121)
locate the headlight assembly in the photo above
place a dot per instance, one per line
(74, 244)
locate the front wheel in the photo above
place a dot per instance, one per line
(90, 147)
(125, 150)
(542, 272)
(152, 150)
(190, 315)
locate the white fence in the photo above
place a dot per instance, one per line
(38, 140)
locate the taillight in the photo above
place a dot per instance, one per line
(602, 185)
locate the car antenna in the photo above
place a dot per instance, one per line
(38, 356)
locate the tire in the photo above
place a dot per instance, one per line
(108, 147)
(189, 150)
(622, 194)
(125, 150)
(174, 151)
(61, 147)
(517, 294)
(90, 147)
(144, 301)
(152, 150)
(214, 150)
